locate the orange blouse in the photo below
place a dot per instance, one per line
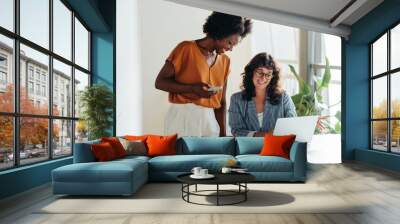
(191, 68)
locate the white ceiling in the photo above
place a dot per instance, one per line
(320, 9)
(315, 15)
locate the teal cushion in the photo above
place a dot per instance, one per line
(249, 145)
(185, 163)
(257, 163)
(206, 145)
(133, 158)
(111, 171)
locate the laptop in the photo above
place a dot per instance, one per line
(302, 127)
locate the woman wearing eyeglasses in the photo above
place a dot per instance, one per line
(255, 110)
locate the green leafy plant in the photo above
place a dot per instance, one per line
(309, 100)
(96, 102)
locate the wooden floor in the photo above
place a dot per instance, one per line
(378, 188)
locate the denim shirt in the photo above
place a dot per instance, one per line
(243, 115)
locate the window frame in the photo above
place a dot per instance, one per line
(388, 74)
(15, 71)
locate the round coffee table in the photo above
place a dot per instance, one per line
(238, 179)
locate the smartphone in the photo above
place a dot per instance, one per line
(215, 88)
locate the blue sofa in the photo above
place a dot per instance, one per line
(125, 176)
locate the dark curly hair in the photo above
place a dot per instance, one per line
(274, 88)
(220, 25)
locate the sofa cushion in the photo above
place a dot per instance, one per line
(185, 163)
(249, 145)
(133, 158)
(277, 145)
(161, 145)
(206, 145)
(111, 171)
(136, 137)
(136, 147)
(257, 163)
(116, 145)
(103, 152)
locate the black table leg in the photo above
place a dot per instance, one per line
(245, 193)
(188, 189)
(182, 190)
(217, 194)
(185, 188)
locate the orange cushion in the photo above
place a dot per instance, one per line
(103, 151)
(277, 145)
(136, 137)
(116, 145)
(161, 145)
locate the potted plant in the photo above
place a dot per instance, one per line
(309, 101)
(96, 102)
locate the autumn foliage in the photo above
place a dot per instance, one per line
(380, 127)
(33, 131)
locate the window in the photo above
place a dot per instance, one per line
(3, 72)
(30, 87)
(62, 140)
(7, 14)
(54, 125)
(30, 72)
(6, 74)
(81, 45)
(44, 91)
(34, 21)
(6, 142)
(3, 61)
(81, 81)
(62, 29)
(385, 97)
(38, 89)
(37, 75)
(3, 78)
(62, 75)
(325, 46)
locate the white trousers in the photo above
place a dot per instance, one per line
(191, 120)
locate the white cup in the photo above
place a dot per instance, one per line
(226, 170)
(203, 172)
(196, 170)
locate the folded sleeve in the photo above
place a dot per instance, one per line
(178, 56)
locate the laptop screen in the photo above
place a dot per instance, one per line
(302, 127)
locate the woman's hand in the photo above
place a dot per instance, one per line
(201, 90)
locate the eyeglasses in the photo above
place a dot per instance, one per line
(266, 75)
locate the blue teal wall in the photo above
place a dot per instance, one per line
(99, 16)
(103, 63)
(24, 178)
(356, 83)
(103, 51)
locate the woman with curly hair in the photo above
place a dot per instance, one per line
(254, 110)
(195, 76)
